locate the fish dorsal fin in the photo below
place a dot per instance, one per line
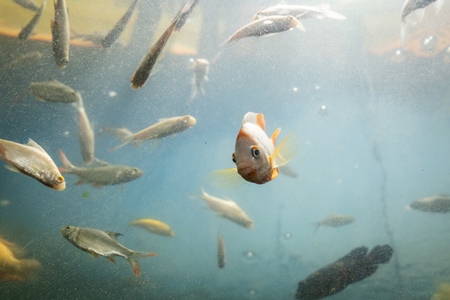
(274, 136)
(226, 178)
(113, 235)
(285, 151)
(34, 144)
(101, 162)
(254, 118)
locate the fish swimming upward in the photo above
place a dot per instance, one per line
(112, 36)
(159, 130)
(201, 70)
(220, 252)
(98, 176)
(32, 160)
(85, 134)
(61, 34)
(99, 242)
(28, 30)
(256, 157)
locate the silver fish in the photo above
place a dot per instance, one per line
(32, 160)
(104, 174)
(299, 12)
(227, 209)
(265, 26)
(201, 70)
(54, 91)
(335, 220)
(146, 65)
(85, 135)
(61, 34)
(435, 204)
(28, 30)
(28, 4)
(185, 15)
(411, 5)
(112, 36)
(23, 59)
(220, 252)
(99, 242)
(159, 130)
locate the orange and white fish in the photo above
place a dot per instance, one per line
(256, 157)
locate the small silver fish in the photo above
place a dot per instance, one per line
(435, 204)
(220, 252)
(201, 70)
(28, 30)
(99, 242)
(61, 34)
(146, 65)
(105, 174)
(300, 12)
(32, 160)
(28, 4)
(265, 26)
(335, 220)
(185, 15)
(112, 36)
(23, 59)
(159, 130)
(227, 209)
(54, 91)
(85, 135)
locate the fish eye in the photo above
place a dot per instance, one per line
(68, 227)
(255, 151)
(233, 158)
(60, 179)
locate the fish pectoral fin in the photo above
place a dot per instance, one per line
(12, 168)
(275, 173)
(226, 178)
(111, 259)
(274, 136)
(95, 255)
(300, 26)
(285, 151)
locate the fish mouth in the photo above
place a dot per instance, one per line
(245, 169)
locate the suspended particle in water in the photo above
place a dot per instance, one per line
(4, 202)
(398, 56)
(249, 255)
(66, 133)
(252, 292)
(287, 235)
(295, 89)
(112, 93)
(317, 87)
(356, 167)
(323, 110)
(85, 195)
(429, 44)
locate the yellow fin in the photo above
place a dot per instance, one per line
(226, 178)
(274, 136)
(285, 151)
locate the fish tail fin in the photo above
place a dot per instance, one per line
(132, 260)
(78, 104)
(66, 163)
(380, 254)
(120, 146)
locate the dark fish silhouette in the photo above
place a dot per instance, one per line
(333, 278)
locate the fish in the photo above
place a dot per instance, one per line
(227, 209)
(220, 252)
(146, 65)
(353, 267)
(411, 5)
(117, 30)
(13, 268)
(99, 242)
(98, 176)
(23, 59)
(28, 30)
(335, 220)
(159, 130)
(256, 157)
(265, 26)
(299, 12)
(184, 16)
(54, 91)
(61, 34)
(435, 204)
(32, 160)
(85, 135)
(28, 4)
(201, 70)
(154, 226)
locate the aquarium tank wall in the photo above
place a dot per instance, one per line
(224, 149)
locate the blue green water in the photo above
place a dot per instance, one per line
(400, 111)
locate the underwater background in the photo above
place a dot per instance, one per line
(373, 130)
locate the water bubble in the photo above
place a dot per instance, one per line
(66, 133)
(252, 292)
(323, 107)
(287, 235)
(249, 255)
(4, 202)
(317, 87)
(429, 44)
(356, 167)
(295, 89)
(112, 94)
(398, 52)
